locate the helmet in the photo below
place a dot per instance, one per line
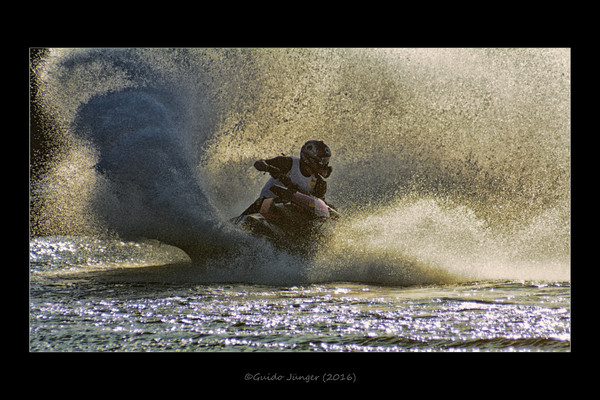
(315, 154)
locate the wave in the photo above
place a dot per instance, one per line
(449, 164)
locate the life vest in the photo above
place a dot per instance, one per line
(305, 183)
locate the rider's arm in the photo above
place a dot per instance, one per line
(283, 164)
(320, 189)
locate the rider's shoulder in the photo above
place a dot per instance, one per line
(284, 163)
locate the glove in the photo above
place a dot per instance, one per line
(285, 180)
(261, 165)
(326, 172)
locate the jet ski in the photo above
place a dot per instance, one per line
(294, 220)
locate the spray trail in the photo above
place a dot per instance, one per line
(441, 158)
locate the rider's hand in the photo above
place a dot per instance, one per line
(260, 165)
(285, 180)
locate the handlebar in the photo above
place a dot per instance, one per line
(276, 174)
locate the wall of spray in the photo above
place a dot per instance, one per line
(447, 162)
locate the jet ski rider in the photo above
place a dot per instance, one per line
(307, 172)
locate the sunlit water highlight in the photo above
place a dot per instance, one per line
(142, 299)
(343, 317)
